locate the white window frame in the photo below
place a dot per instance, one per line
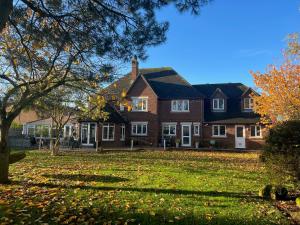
(135, 124)
(182, 103)
(218, 100)
(141, 98)
(169, 126)
(109, 126)
(219, 130)
(255, 127)
(196, 125)
(30, 127)
(65, 135)
(250, 103)
(123, 132)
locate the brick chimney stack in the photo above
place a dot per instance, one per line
(134, 68)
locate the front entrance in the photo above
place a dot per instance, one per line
(240, 139)
(88, 133)
(186, 135)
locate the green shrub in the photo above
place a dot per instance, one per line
(282, 152)
(265, 192)
(281, 193)
(298, 201)
(15, 157)
(274, 193)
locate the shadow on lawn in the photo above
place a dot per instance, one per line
(87, 178)
(148, 190)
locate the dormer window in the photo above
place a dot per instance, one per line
(248, 103)
(180, 106)
(218, 104)
(139, 104)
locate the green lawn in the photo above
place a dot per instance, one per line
(137, 188)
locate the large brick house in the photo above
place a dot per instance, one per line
(157, 106)
(162, 107)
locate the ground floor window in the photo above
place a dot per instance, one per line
(122, 133)
(255, 131)
(108, 132)
(139, 128)
(219, 130)
(196, 129)
(42, 130)
(169, 129)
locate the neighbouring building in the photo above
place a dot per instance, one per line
(157, 106)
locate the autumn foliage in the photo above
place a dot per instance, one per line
(280, 91)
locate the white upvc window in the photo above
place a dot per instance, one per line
(219, 131)
(248, 103)
(180, 106)
(139, 128)
(196, 129)
(108, 132)
(218, 104)
(169, 129)
(122, 133)
(139, 104)
(68, 131)
(255, 131)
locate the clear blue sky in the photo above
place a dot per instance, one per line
(227, 40)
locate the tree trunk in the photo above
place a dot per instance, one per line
(4, 155)
(55, 147)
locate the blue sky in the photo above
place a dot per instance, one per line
(227, 40)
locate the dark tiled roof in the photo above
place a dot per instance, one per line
(165, 82)
(234, 114)
(168, 84)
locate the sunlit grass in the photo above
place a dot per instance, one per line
(138, 188)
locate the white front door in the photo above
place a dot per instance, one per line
(186, 135)
(240, 139)
(88, 133)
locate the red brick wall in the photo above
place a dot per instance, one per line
(140, 88)
(229, 141)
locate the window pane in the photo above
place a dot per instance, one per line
(186, 105)
(215, 103)
(222, 130)
(111, 132)
(105, 132)
(139, 129)
(166, 130)
(173, 105)
(257, 130)
(215, 130)
(221, 103)
(252, 129)
(173, 129)
(144, 129)
(196, 129)
(240, 132)
(134, 128)
(179, 105)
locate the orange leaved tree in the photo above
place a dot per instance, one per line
(280, 91)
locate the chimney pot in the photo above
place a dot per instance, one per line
(134, 68)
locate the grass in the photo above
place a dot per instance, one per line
(137, 188)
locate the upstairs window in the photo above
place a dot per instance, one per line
(139, 104)
(180, 106)
(218, 104)
(248, 103)
(219, 131)
(255, 131)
